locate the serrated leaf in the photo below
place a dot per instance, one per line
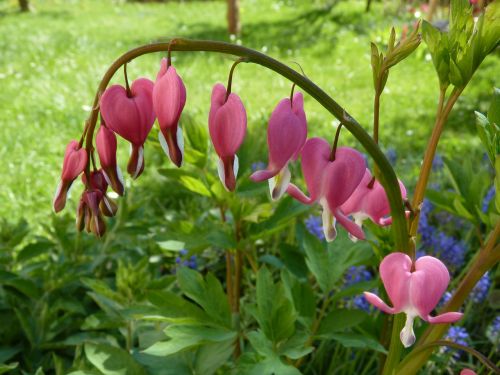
(275, 312)
(112, 361)
(207, 293)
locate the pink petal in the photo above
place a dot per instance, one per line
(378, 303)
(169, 98)
(297, 194)
(342, 176)
(75, 161)
(395, 272)
(467, 371)
(355, 202)
(263, 175)
(349, 225)
(132, 118)
(106, 149)
(427, 285)
(449, 317)
(227, 122)
(315, 155)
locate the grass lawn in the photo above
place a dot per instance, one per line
(52, 60)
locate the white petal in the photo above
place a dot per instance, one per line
(220, 171)
(279, 183)
(163, 143)
(140, 162)
(58, 191)
(407, 335)
(358, 217)
(328, 222)
(180, 143)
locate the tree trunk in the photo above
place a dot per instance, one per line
(24, 5)
(233, 17)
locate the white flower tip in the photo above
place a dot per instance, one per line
(279, 183)
(407, 335)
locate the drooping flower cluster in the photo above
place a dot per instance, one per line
(336, 178)
(414, 289)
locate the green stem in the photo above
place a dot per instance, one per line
(430, 152)
(388, 177)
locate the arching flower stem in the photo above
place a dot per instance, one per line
(388, 177)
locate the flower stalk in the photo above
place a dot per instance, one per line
(387, 178)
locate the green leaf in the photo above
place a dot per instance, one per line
(339, 320)
(356, 340)
(187, 336)
(195, 185)
(494, 110)
(112, 361)
(171, 245)
(275, 312)
(171, 305)
(272, 366)
(4, 368)
(302, 295)
(207, 293)
(260, 343)
(25, 286)
(34, 250)
(328, 265)
(210, 357)
(294, 260)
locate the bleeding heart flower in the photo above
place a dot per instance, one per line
(227, 123)
(330, 182)
(75, 161)
(369, 201)
(416, 292)
(98, 182)
(467, 371)
(131, 117)
(169, 97)
(106, 149)
(286, 134)
(88, 215)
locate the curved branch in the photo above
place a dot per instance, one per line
(387, 178)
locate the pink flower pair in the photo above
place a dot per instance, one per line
(132, 113)
(414, 289)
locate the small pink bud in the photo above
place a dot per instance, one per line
(75, 161)
(88, 214)
(467, 371)
(414, 292)
(98, 182)
(369, 201)
(130, 117)
(106, 149)
(227, 124)
(331, 183)
(169, 98)
(286, 134)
